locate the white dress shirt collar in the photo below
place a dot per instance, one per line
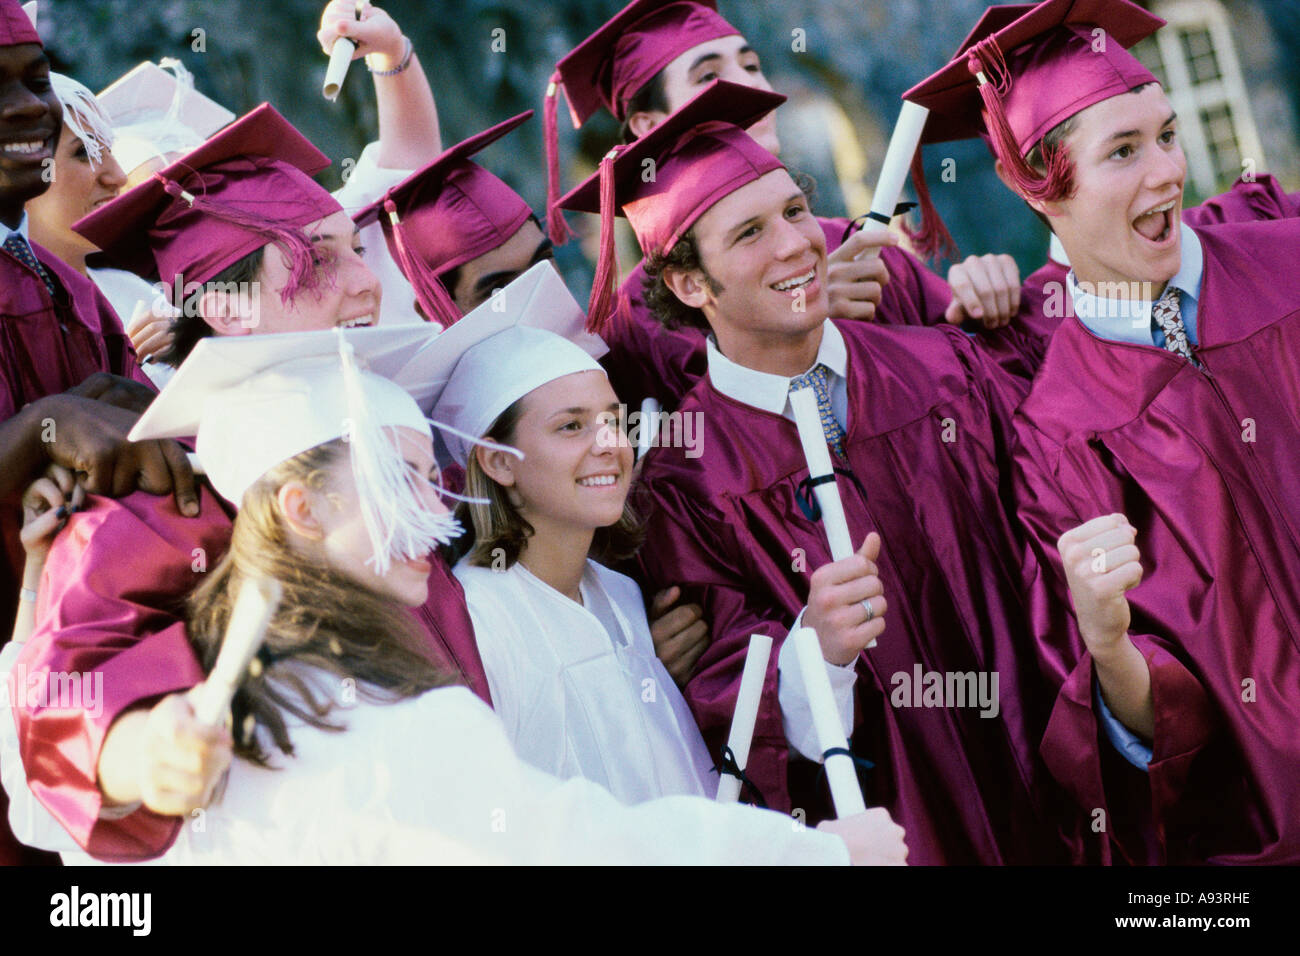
(766, 391)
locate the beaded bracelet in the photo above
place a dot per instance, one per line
(400, 68)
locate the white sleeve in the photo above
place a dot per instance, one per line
(796, 715)
(470, 798)
(365, 181)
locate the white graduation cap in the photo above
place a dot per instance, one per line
(254, 401)
(529, 333)
(156, 110)
(83, 116)
(31, 10)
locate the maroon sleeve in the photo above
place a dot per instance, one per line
(110, 619)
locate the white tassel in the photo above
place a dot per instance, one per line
(83, 116)
(397, 518)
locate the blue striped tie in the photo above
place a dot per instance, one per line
(17, 247)
(817, 381)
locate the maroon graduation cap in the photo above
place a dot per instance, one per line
(446, 213)
(247, 186)
(16, 28)
(700, 154)
(612, 65)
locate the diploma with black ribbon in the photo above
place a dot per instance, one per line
(743, 720)
(893, 173)
(841, 771)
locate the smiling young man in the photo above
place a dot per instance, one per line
(116, 578)
(1156, 466)
(918, 420)
(646, 63)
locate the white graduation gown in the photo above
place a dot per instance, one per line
(576, 700)
(433, 779)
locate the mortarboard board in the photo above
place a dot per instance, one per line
(16, 25)
(530, 334)
(248, 186)
(699, 154)
(1026, 68)
(445, 214)
(155, 110)
(613, 64)
(254, 401)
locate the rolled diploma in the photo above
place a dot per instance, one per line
(840, 770)
(340, 60)
(898, 160)
(742, 721)
(647, 426)
(813, 439)
(257, 601)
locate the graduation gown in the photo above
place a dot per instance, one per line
(433, 779)
(112, 604)
(728, 528)
(646, 359)
(577, 700)
(1203, 462)
(47, 345)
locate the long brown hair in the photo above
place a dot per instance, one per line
(329, 630)
(496, 533)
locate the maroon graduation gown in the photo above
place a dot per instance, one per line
(1203, 462)
(727, 527)
(646, 359)
(112, 603)
(47, 345)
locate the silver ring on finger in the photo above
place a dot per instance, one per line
(871, 611)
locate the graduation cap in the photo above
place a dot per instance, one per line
(445, 214)
(248, 186)
(83, 116)
(155, 110)
(16, 26)
(613, 64)
(531, 333)
(698, 155)
(1026, 68)
(254, 401)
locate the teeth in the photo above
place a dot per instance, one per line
(599, 480)
(1158, 209)
(31, 147)
(796, 282)
(360, 322)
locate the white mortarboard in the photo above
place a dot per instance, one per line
(156, 112)
(528, 334)
(30, 9)
(254, 401)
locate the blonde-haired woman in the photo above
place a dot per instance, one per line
(350, 747)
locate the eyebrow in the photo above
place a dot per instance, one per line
(506, 276)
(713, 55)
(330, 237)
(1135, 132)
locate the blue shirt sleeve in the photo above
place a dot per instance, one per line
(1129, 745)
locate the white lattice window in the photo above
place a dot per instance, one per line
(1196, 62)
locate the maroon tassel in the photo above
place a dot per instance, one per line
(931, 238)
(603, 286)
(439, 306)
(557, 229)
(986, 58)
(303, 256)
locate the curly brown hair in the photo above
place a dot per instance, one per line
(327, 630)
(497, 533)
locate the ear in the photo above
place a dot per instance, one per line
(227, 314)
(688, 285)
(1048, 209)
(643, 121)
(297, 505)
(497, 465)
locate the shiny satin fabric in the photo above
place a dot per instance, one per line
(927, 445)
(112, 603)
(1204, 465)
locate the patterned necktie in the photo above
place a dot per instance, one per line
(17, 247)
(1167, 316)
(817, 381)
